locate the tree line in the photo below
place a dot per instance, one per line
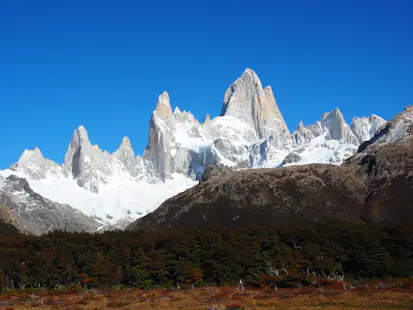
(191, 258)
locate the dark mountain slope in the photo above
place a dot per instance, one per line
(269, 197)
(385, 165)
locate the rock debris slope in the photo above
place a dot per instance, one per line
(117, 188)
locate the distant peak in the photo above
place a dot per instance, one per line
(29, 153)
(163, 106)
(82, 132)
(335, 112)
(177, 111)
(374, 116)
(163, 99)
(249, 71)
(126, 142)
(300, 126)
(251, 75)
(268, 89)
(207, 119)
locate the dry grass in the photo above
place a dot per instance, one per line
(213, 298)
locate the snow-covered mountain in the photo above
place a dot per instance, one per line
(117, 188)
(35, 214)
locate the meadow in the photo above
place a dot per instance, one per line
(371, 295)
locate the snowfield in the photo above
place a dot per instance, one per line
(117, 204)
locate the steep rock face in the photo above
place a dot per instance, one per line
(175, 140)
(126, 156)
(178, 143)
(364, 128)
(158, 150)
(268, 197)
(37, 215)
(303, 134)
(32, 163)
(88, 164)
(331, 140)
(246, 100)
(338, 128)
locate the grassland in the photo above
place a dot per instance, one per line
(212, 298)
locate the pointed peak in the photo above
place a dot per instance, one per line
(163, 99)
(81, 132)
(374, 116)
(325, 115)
(29, 153)
(164, 94)
(300, 126)
(81, 128)
(250, 75)
(249, 71)
(30, 156)
(125, 142)
(268, 89)
(207, 119)
(163, 106)
(177, 111)
(334, 113)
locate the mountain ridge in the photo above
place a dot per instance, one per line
(249, 133)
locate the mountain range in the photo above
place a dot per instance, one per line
(374, 186)
(94, 189)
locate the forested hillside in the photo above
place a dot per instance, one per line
(195, 258)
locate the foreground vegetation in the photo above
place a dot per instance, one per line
(299, 257)
(214, 298)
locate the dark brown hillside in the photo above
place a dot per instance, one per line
(269, 197)
(386, 167)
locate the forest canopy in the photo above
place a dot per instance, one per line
(197, 257)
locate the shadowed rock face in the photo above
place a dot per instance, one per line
(373, 186)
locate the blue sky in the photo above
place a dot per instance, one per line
(102, 64)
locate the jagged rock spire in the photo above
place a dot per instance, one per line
(365, 128)
(126, 155)
(34, 165)
(246, 100)
(163, 106)
(207, 119)
(157, 151)
(338, 128)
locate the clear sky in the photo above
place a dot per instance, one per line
(102, 64)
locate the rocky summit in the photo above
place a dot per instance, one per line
(116, 188)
